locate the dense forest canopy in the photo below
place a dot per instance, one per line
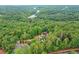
(46, 12)
(58, 25)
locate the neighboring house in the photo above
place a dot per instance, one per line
(2, 51)
(22, 43)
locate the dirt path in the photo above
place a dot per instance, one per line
(64, 51)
